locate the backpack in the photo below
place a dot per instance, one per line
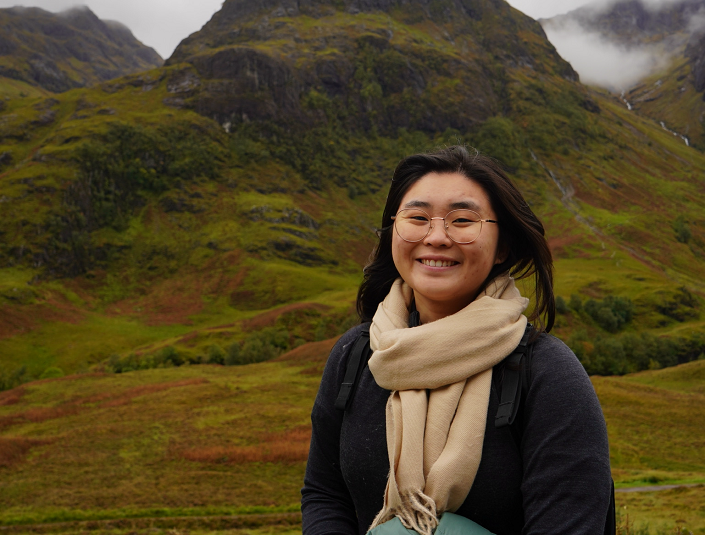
(512, 387)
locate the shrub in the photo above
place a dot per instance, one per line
(169, 356)
(575, 303)
(632, 352)
(561, 305)
(682, 230)
(612, 313)
(681, 306)
(233, 355)
(10, 380)
(264, 345)
(52, 373)
(216, 355)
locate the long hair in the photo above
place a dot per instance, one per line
(521, 234)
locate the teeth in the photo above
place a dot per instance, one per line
(437, 263)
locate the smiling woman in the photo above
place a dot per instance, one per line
(445, 274)
(415, 449)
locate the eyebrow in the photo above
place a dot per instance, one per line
(458, 205)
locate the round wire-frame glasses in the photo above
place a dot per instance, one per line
(465, 225)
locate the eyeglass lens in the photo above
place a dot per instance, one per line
(462, 226)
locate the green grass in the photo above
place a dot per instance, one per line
(163, 445)
(655, 426)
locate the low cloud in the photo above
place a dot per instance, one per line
(603, 63)
(696, 24)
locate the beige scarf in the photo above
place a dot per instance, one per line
(434, 438)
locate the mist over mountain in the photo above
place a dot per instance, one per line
(74, 48)
(616, 44)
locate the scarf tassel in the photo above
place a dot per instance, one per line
(417, 512)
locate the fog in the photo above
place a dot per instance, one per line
(611, 65)
(603, 63)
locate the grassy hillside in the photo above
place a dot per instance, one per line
(138, 226)
(200, 446)
(671, 97)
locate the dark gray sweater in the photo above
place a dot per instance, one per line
(556, 480)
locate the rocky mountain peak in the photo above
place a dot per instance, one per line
(368, 64)
(73, 48)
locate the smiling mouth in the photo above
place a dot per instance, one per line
(437, 263)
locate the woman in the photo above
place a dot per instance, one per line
(454, 227)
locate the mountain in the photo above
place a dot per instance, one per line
(381, 64)
(673, 91)
(74, 48)
(157, 218)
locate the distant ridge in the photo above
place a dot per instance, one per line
(632, 22)
(73, 48)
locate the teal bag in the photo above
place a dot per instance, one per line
(450, 524)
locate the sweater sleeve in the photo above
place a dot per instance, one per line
(326, 505)
(567, 481)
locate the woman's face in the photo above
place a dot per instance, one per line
(446, 276)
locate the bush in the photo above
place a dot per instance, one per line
(165, 357)
(682, 230)
(233, 356)
(633, 352)
(169, 356)
(612, 313)
(575, 303)
(10, 380)
(561, 305)
(681, 306)
(216, 355)
(52, 373)
(264, 345)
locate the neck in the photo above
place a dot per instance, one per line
(431, 311)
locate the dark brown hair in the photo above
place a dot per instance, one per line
(521, 234)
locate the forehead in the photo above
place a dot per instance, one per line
(446, 191)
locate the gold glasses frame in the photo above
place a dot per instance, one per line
(445, 224)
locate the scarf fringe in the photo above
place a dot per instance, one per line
(417, 512)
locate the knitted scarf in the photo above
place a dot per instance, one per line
(440, 375)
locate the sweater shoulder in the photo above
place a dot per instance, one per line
(551, 355)
(342, 347)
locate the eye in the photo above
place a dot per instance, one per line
(463, 219)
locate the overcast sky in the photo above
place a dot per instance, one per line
(162, 24)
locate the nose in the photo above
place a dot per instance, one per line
(437, 235)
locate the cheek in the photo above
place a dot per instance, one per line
(397, 253)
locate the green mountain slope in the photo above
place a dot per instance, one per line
(74, 48)
(158, 213)
(212, 441)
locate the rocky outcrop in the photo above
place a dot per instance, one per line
(69, 49)
(696, 53)
(370, 64)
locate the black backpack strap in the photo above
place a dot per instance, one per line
(513, 373)
(359, 355)
(516, 378)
